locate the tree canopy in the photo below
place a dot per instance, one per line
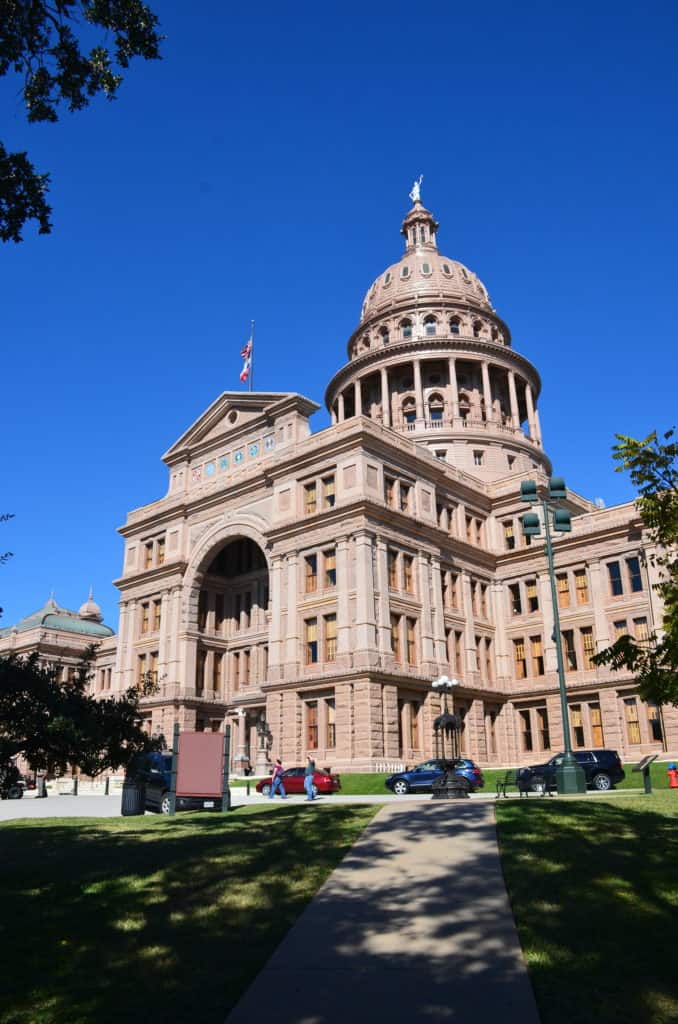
(653, 466)
(56, 724)
(44, 44)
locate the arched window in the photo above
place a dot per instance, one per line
(366, 341)
(422, 234)
(426, 269)
(404, 272)
(430, 326)
(384, 335)
(494, 334)
(455, 325)
(477, 328)
(464, 405)
(409, 410)
(406, 328)
(435, 408)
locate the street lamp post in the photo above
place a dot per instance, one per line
(446, 720)
(570, 776)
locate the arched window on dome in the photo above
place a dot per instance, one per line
(464, 405)
(406, 328)
(436, 407)
(477, 328)
(430, 326)
(422, 233)
(455, 325)
(409, 408)
(404, 272)
(384, 335)
(366, 342)
(446, 270)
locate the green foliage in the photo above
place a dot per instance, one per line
(57, 724)
(38, 43)
(653, 466)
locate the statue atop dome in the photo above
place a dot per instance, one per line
(415, 194)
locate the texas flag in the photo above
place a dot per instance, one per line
(246, 354)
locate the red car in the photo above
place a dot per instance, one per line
(293, 781)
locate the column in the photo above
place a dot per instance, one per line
(358, 392)
(418, 390)
(425, 622)
(537, 423)
(453, 387)
(530, 412)
(500, 617)
(384, 626)
(121, 650)
(333, 413)
(364, 647)
(469, 626)
(440, 650)
(292, 641)
(598, 599)
(385, 398)
(275, 650)
(487, 391)
(340, 406)
(208, 683)
(513, 399)
(546, 606)
(344, 658)
(175, 642)
(130, 676)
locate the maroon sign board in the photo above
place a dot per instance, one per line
(200, 764)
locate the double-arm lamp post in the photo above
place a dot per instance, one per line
(569, 775)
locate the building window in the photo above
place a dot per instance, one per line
(597, 739)
(588, 646)
(145, 612)
(330, 565)
(516, 603)
(395, 637)
(430, 326)
(531, 595)
(616, 586)
(311, 641)
(409, 411)
(640, 628)
(331, 713)
(405, 497)
(414, 725)
(570, 651)
(655, 722)
(200, 671)
(537, 656)
(310, 499)
(477, 328)
(478, 458)
(264, 662)
(509, 536)
(161, 550)
(392, 569)
(312, 725)
(581, 586)
(543, 733)
(141, 670)
(635, 579)
(219, 613)
(563, 588)
(157, 606)
(245, 662)
(577, 725)
(632, 723)
(406, 328)
(330, 623)
(148, 555)
(217, 663)
(436, 407)
(620, 628)
(202, 610)
(328, 492)
(408, 573)
(519, 658)
(310, 573)
(411, 642)
(389, 491)
(384, 335)
(526, 730)
(455, 325)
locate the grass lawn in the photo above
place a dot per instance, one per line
(594, 889)
(153, 919)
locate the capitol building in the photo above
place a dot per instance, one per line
(307, 588)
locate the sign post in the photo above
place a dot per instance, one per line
(226, 791)
(175, 765)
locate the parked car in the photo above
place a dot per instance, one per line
(293, 781)
(154, 771)
(602, 769)
(421, 778)
(11, 787)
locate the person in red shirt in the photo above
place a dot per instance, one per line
(277, 781)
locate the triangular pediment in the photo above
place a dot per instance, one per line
(234, 413)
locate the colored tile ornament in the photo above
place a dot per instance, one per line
(269, 444)
(239, 456)
(223, 462)
(197, 474)
(254, 450)
(209, 469)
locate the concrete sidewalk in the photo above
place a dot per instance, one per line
(414, 925)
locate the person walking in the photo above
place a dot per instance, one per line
(309, 772)
(277, 781)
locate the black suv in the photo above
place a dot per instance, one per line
(602, 769)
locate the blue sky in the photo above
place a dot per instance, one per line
(261, 170)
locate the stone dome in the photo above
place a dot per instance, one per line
(90, 610)
(423, 274)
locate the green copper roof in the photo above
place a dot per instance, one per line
(51, 616)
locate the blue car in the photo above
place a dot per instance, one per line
(421, 778)
(154, 771)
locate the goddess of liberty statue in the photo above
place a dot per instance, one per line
(415, 194)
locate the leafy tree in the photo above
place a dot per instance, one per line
(38, 42)
(653, 467)
(56, 724)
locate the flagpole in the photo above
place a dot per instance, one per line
(252, 354)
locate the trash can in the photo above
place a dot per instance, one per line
(133, 798)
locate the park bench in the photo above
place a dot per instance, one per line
(512, 781)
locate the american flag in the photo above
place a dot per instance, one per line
(246, 354)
